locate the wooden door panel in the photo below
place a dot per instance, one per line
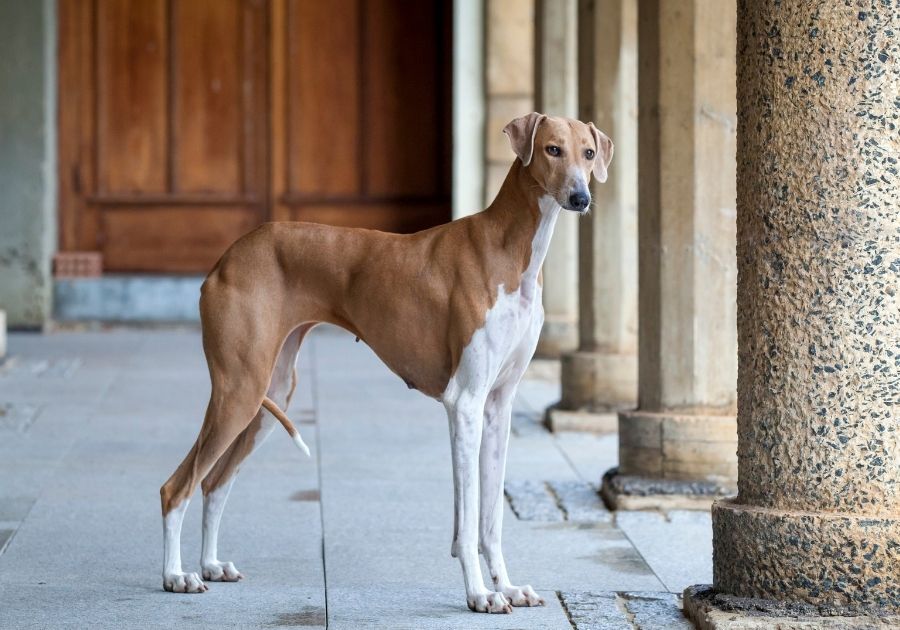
(206, 143)
(323, 98)
(361, 97)
(170, 237)
(172, 158)
(131, 96)
(401, 108)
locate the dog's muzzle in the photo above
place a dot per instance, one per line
(579, 201)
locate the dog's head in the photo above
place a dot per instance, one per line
(561, 153)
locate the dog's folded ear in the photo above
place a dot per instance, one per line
(521, 133)
(604, 153)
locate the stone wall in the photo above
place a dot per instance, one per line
(27, 159)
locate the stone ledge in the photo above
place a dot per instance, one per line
(822, 558)
(628, 492)
(557, 420)
(128, 298)
(711, 610)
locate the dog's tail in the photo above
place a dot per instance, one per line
(272, 408)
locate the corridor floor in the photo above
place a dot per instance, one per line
(357, 536)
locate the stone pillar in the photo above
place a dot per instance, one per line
(556, 93)
(817, 516)
(469, 106)
(509, 81)
(27, 160)
(600, 378)
(681, 441)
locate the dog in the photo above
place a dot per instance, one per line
(454, 310)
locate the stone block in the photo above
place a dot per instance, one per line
(493, 180)
(595, 610)
(717, 472)
(580, 501)
(501, 110)
(643, 462)
(531, 501)
(709, 453)
(558, 335)
(675, 446)
(700, 427)
(640, 430)
(599, 381)
(510, 47)
(655, 611)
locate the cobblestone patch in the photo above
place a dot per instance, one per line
(17, 417)
(532, 501)
(556, 501)
(590, 610)
(580, 502)
(655, 611)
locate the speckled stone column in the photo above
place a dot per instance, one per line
(679, 447)
(817, 517)
(600, 378)
(556, 93)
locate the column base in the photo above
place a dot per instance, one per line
(827, 559)
(710, 610)
(599, 382)
(629, 492)
(696, 448)
(558, 336)
(557, 420)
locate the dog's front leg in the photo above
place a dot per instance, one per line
(494, 443)
(465, 413)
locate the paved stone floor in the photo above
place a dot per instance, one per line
(358, 536)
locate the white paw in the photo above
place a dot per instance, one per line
(489, 602)
(184, 583)
(216, 571)
(522, 596)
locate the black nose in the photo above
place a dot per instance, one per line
(579, 201)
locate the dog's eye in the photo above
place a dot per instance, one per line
(589, 154)
(554, 150)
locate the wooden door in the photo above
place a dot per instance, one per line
(361, 92)
(185, 123)
(163, 129)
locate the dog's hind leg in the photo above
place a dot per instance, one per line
(240, 364)
(217, 484)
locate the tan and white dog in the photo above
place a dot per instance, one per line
(455, 311)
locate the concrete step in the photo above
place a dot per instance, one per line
(127, 299)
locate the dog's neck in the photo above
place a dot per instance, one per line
(525, 215)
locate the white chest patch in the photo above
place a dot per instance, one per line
(503, 347)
